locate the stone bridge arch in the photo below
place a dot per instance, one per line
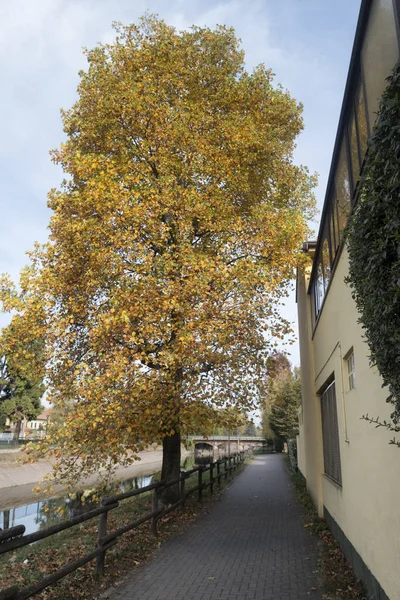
(204, 448)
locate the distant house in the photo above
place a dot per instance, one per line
(352, 473)
(32, 428)
(41, 421)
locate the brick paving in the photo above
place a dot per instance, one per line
(252, 545)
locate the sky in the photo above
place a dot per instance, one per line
(307, 44)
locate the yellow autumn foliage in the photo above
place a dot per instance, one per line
(172, 238)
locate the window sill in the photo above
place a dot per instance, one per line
(334, 482)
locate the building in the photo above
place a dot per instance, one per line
(31, 428)
(352, 473)
(39, 423)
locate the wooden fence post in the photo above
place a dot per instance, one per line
(182, 490)
(218, 473)
(200, 484)
(211, 477)
(226, 469)
(100, 560)
(154, 507)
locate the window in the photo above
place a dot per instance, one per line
(354, 157)
(330, 434)
(351, 370)
(362, 125)
(336, 219)
(342, 185)
(333, 234)
(319, 289)
(326, 260)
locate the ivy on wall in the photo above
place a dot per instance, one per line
(373, 239)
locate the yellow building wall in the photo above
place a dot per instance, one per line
(367, 506)
(310, 447)
(301, 456)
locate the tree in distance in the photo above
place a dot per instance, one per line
(280, 400)
(285, 398)
(172, 240)
(21, 385)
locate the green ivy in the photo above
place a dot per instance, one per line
(373, 239)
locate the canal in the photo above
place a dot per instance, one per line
(41, 514)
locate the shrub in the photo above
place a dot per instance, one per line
(292, 448)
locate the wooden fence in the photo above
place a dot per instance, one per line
(13, 538)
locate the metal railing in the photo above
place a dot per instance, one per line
(13, 538)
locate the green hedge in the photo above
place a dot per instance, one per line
(373, 239)
(292, 450)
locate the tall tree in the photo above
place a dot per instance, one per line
(275, 364)
(171, 241)
(285, 398)
(21, 386)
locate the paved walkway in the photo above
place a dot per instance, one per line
(251, 546)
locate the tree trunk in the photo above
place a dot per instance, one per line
(6, 519)
(17, 431)
(171, 467)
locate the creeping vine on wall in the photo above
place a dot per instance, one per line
(373, 239)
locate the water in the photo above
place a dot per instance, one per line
(39, 515)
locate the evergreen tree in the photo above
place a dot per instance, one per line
(21, 389)
(285, 397)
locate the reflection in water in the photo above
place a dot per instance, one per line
(39, 515)
(204, 454)
(204, 460)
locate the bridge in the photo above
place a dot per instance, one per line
(225, 444)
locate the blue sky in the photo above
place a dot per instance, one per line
(307, 43)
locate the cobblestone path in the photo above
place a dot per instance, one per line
(252, 545)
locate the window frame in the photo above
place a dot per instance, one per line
(350, 370)
(330, 434)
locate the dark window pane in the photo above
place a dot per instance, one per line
(332, 229)
(362, 127)
(379, 53)
(332, 237)
(354, 157)
(335, 211)
(326, 262)
(313, 311)
(319, 287)
(342, 185)
(330, 434)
